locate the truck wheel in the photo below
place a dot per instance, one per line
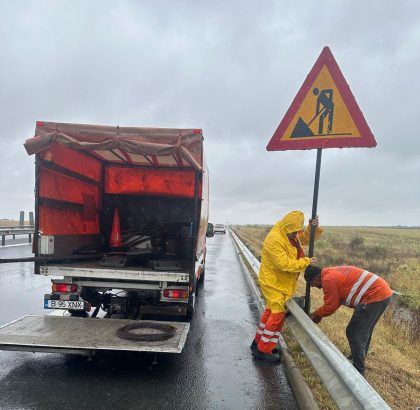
(202, 277)
(78, 313)
(190, 309)
(191, 300)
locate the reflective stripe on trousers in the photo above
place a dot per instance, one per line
(271, 334)
(274, 339)
(260, 329)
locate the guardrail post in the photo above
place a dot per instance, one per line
(3, 240)
(30, 238)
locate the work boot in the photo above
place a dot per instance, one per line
(272, 358)
(253, 346)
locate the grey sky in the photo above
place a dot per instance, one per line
(233, 69)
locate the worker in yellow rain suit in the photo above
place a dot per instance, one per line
(282, 260)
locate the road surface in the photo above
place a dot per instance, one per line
(215, 370)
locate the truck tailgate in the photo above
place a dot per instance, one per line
(82, 335)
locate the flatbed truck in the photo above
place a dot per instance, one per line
(121, 216)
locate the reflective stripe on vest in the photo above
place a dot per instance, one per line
(365, 288)
(362, 291)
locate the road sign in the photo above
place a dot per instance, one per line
(324, 113)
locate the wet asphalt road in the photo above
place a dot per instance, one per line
(214, 371)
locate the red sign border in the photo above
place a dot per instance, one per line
(366, 139)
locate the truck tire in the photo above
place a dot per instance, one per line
(78, 313)
(192, 300)
(190, 308)
(202, 276)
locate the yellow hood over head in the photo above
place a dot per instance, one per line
(292, 222)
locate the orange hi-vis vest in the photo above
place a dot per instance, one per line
(350, 286)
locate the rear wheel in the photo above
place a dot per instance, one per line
(192, 300)
(202, 276)
(78, 313)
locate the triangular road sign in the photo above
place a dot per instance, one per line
(324, 113)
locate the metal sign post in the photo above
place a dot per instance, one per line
(312, 235)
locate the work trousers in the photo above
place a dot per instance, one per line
(268, 332)
(360, 328)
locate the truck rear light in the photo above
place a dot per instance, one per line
(64, 288)
(175, 293)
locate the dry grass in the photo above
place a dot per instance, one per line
(9, 223)
(393, 362)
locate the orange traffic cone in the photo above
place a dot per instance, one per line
(115, 239)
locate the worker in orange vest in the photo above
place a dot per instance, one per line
(367, 293)
(282, 260)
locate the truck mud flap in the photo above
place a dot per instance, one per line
(84, 336)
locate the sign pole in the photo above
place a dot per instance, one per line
(312, 235)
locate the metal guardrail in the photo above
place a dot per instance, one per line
(14, 231)
(347, 387)
(9, 230)
(20, 229)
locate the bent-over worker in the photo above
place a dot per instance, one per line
(282, 260)
(356, 288)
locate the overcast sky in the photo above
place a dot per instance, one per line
(231, 68)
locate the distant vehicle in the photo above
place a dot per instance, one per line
(210, 230)
(219, 228)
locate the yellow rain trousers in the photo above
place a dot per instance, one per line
(280, 267)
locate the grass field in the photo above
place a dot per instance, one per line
(11, 223)
(393, 362)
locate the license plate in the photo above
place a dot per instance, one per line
(64, 304)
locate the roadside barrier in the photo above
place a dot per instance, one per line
(347, 387)
(20, 229)
(15, 231)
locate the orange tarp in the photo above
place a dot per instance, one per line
(120, 180)
(130, 145)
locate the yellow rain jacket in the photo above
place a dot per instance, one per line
(280, 267)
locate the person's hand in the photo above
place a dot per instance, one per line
(314, 222)
(314, 318)
(313, 260)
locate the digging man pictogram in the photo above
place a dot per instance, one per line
(324, 109)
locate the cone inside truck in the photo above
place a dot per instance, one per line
(115, 239)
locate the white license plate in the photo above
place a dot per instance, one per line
(64, 304)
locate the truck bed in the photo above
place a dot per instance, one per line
(83, 336)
